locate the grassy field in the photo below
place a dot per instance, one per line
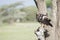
(18, 31)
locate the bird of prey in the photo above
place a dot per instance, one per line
(41, 18)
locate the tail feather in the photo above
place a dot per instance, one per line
(50, 24)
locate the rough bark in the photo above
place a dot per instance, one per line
(57, 28)
(55, 32)
(54, 17)
(41, 6)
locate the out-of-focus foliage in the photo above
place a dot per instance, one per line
(8, 12)
(31, 13)
(48, 3)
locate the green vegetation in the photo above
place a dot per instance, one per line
(18, 31)
(48, 3)
(31, 13)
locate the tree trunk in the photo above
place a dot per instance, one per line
(57, 28)
(41, 6)
(55, 32)
(54, 18)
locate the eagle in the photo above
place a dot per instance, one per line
(41, 18)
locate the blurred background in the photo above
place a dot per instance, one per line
(18, 19)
